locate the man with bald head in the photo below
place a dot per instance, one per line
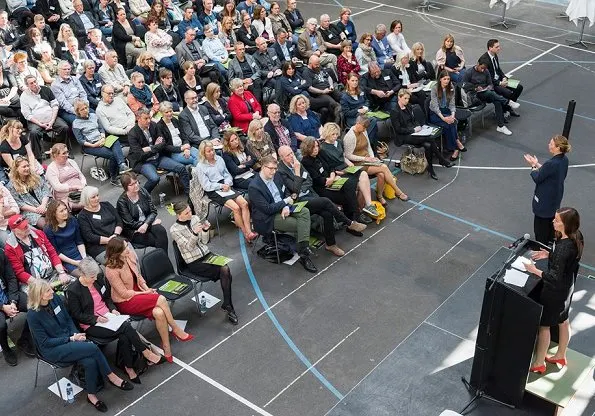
(331, 35)
(299, 183)
(324, 97)
(380, 87)
(113, 114)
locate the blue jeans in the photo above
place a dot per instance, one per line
(170, 62)
(192, 160)
(67, 117)
(106, 31)
(448, 130)
(113, 154)
(149, 171)
(457, 78)
(221, 70)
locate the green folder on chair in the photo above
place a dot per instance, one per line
(110, 140)
(380, 115)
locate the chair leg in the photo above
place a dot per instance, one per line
(217, 213)
(196, 292)
(276, 247)
(58, 385)
(36, 373)
(83, 162)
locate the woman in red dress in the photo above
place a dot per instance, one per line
(132, 296)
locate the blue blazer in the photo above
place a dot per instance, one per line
(264, 207)
(52, 332)
(350, 105)
(549, 186)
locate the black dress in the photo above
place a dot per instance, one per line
(558, 282)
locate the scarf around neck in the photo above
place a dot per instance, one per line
(144, 95)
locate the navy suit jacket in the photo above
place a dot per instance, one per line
(549, 186)
(51, 332)
(264, 207)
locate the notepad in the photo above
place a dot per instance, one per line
(110, 140)
(245, 175)
(173, 286)
(513, 83)
(515, 277)
(337, 184)
(226, 193)
(430, 85)
(520, 261)
(352, 169)
(426, 131)
(297, 207)
(217, 260)
(114, 322)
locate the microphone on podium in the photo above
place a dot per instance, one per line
(520, 242)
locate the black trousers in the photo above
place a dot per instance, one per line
(155, 236)
(127, 339)
(328, 107)
(25, 335)
(544, 230)
(511, 93)
(214, 272)
(499, 103)
(328, 211)
(346, 196)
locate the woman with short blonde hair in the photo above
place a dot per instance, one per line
(30, 191)
(303, 121)
(65, 177)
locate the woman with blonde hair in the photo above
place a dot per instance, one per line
(227, 34)
(259, 143)
(48, 65)
(215, 179)
(30, 191)
(64, 33)
(59, 341)
(407, 74)
(424, 69)
(141, 95)
(65, 177)
(75, 56)
(303, 121)
(146, 65)
(13, 144)
(132, 296)
(451, 58)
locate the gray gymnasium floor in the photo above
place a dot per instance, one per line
(389, 328)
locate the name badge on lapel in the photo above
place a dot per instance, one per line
(57, 310)
(305, 174)
(103, 290)
(96, 217)
(387, 77)
(283, 188)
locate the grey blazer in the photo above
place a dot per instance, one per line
(184, 54)
(189, 128)
(235, 70)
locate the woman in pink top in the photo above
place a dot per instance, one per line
(90, 303)
(65, 178)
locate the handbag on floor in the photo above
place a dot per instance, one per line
(413, 160)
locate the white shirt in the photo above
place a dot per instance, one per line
(202, 127)
(175, 134)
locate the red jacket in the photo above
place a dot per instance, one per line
(241, 115)
(15, 254)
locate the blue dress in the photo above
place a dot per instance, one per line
(306, 126)
(65, 241)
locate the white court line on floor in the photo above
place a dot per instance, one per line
(452, 248)
(484, 27)
(333, 5)
(252, 301)
(448, 332)
(308, 369)
(533, 59)
(411, 333)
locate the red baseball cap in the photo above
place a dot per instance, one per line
(17, 221)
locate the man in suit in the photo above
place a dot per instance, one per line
(311, 43)
(81, 22)
(299, 183)
(147, 152)
(195, 122)
(244, 67)
(499, 79)
(268, 63)
(271, 210)
(381, 47)
(381, 87)
(284, 48)
(189, 49)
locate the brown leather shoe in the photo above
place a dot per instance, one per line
(357, 226)
(336, 250)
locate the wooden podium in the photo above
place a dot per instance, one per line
(508, 327)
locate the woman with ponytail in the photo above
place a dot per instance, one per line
(558, 286)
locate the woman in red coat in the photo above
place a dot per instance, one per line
(243, 105)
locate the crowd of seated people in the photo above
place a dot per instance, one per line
(240, 99)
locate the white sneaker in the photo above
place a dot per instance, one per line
(504, 130)
(513, 104)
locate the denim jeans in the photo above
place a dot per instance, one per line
(149, 171)
(113, 154)
(170, 62)
(192, 160)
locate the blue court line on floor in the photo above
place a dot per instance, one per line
(559, 61)
(280, 329)
(559, 110)
(476, 227)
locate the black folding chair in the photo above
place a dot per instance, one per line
(54, 366)
(157, 270)
(197, 281)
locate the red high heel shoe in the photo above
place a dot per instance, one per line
(168, 358)
(537, 369)
(190, 337)
(561, 361)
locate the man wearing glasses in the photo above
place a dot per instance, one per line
(67, 90)
(40, 108)
(113, 114)
(189, 49)
(272, 209)
(113, 73)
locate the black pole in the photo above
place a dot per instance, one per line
(569, 117)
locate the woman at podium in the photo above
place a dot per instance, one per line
(558, 286)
